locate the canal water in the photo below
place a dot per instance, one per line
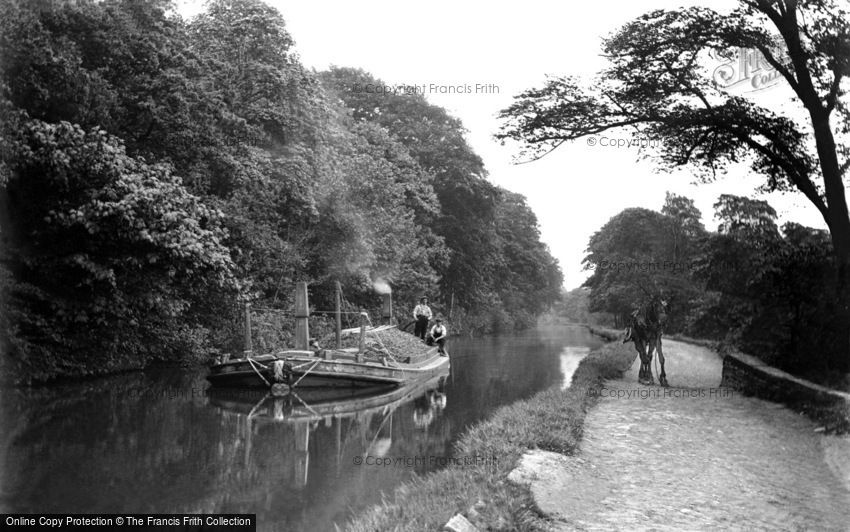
(159, 442)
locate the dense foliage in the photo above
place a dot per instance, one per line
(574, 307)
(156, 173)
(495, 258)
(767, 291)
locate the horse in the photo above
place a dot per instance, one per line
(645, 328)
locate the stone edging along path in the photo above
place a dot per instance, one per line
(751, 376)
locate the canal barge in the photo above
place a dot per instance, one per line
(344, 368)
(308, 366)
(318, 404)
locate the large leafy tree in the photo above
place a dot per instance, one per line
(451, 170)
(527, 278)
(126, 67)
(315, 195)
(627, 258)
(687, 229)
(730, 262)
(640, 253)
(269, 113)
(746, 219)
(496, 260)
(367, 228)
(793, 293)
(114, 262)
(658, 86)
(766, 291)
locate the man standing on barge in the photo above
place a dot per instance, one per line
(422, 314)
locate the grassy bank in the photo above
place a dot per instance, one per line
(612, 335)
(551, 420)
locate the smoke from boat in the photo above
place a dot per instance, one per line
(381, 286)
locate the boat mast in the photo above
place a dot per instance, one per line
(248, 345)
(302, 315)
(361, 347)
(338, 313)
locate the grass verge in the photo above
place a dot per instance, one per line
(551, 420)
(606, 333)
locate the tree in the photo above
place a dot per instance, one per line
(746, 219)
(114, 262)
(574, 306)
(497, 267)
(687, 230)
(729, 264)
(467, 202)
(798, 324)
(125, 67)
(641, 253)
(367, 226)
(627, 259)
(768, 293)
(656, 86)
(733, 258)
(527, 279)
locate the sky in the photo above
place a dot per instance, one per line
(501, 49)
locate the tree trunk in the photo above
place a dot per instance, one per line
(843, 293)
(836, 215)
(838, 221)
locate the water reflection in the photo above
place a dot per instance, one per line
(570, 358)
(159, 442)
(341, 411)
(426, 408)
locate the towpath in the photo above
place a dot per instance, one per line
(694, 457)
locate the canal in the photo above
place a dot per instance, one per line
(158, 442)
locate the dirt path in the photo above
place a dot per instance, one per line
(696, 457)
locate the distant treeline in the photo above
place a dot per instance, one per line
(574, 307)
(157, 173)
(769, 292)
